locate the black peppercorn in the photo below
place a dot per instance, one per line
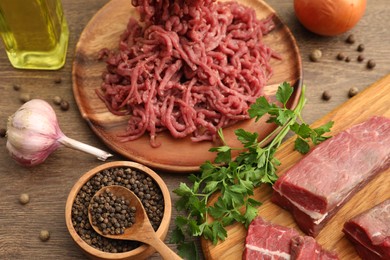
(3, 132)
(360, 48)
(58, 80)
(64, 105)
(347, 59)
(326, 96)
(350, 39)
(371, 64)
(353, 91)
(341, 56)
(360, 58)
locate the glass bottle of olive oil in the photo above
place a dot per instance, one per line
(34, 32)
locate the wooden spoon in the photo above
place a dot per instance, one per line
(141, 230)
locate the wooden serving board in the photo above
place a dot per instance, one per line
(374, 100)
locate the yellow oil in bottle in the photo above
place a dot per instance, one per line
(34, 32)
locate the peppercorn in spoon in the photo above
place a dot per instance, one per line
(116, 212)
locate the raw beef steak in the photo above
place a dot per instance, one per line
(307, 248)
(265, 240)
(370, 232)
(269, 241)
(326, 178)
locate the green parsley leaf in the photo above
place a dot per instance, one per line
(301, 146)
(284, 93)
(250, 214)
(218, 210)
(246, 138)
(183, 190)
(283, 117)
(303, 130)
(210, 186)
(306, 134)
(181, 203)
(177, 236)
(324, 128)
(247, 185)
(219, 232)
(187, 250)
(224, 154)
(320, 131)
(260, 108)
(194, 228)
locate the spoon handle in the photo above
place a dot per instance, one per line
(163, 249)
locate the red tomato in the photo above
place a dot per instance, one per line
(329, 17)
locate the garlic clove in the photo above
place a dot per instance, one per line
(29, 159)
(37, 116)
(29, 144)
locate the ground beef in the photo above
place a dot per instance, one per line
(189, 67)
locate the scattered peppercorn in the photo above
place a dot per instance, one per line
(341, 56)
(3, 132)
(360, 48)
(326, 96)
(57, 80)
(371, 64)
(24, 198)
(347, 59)
(315, 55)
(24, 97)
(44, 235)
(350, 39)
(16, 87)
(353, 92)
(57, 100)
(137, 181)
(64, 105)
(360, 58)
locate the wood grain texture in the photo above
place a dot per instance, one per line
(104, 30)
(375, 100)
(49, 184)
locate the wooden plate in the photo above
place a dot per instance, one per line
(175, 155)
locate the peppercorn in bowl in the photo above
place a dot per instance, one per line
(144, 182)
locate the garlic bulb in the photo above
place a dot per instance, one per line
(33, 134)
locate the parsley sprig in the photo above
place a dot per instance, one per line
(233, 180)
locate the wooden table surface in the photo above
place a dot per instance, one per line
(49, 184)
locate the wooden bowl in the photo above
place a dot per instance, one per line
(140, 252)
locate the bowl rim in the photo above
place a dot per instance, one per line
(86, 177)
